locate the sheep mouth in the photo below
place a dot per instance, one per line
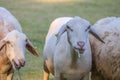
(81, 51)
(78, 50)
(17, 66)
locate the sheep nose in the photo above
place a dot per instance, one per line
(21, 62)
(81, 44)
(15, 64)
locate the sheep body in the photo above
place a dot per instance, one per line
(9, 20)
(106, 58)
(12, 45)
(60, 60)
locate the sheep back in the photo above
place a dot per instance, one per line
(8, 22)
(106, 57)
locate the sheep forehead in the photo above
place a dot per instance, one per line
(15, 35)
(77, 21)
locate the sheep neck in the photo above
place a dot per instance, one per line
(4, 61)
(74, 58)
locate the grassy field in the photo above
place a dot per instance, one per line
(35, 17)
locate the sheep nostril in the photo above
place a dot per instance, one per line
(15, 64)
(22, 62)
(81, 44)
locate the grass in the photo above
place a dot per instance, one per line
(35, 17)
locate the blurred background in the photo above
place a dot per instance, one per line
(35, 17)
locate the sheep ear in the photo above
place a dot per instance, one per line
(30, 48)
(61, 31)
(1, 21)
(95, 34)
(2, 44)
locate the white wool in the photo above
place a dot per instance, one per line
(106, 56)
(58, 56)
(9, 19)
(12, 44)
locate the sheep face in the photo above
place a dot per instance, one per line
(15, 43)
(77, 33)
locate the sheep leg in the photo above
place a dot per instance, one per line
(59, 76)
(3, 76)
(10, 74)
(46, 72)
(96, 76)
(86, 77)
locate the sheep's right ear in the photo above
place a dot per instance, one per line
(2, 43)
(61, 31)
(1, 21)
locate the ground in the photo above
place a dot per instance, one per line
(35, 17)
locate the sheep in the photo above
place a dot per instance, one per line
(12, 45)
(67, 52)
(106, 58)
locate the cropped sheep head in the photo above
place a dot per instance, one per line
(15, 43)
(77, 33)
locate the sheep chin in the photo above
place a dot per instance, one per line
(79, 54)
(13, 66)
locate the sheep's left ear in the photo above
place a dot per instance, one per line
(30, 48)
(95, 34)
(61, 31)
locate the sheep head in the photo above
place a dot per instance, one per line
(77, 33)
(15, 43)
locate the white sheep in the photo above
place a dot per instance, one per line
(106, 58)
(12, 45)
(67, 55)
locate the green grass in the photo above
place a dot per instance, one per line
(35, 17)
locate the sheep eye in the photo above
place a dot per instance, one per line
(26, 40)
(69, 28)
(10, 43)
(88, 28)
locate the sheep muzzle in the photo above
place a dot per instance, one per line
(18, 64)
